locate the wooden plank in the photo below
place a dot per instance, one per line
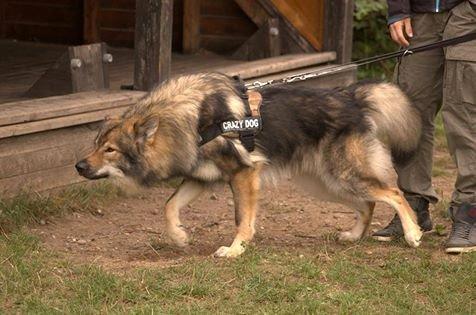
(40, 181)
(338, 28)
(191, 26)
(56, 123)
(264, 43)
(34, 13)
(221, 44)
(118, 4)
(153, 43)
(117, 19)
(2, 18)
(48, 139)
(53, 3)
(267, 66)
(306, 16)
(33, 161)
(223, 8)
(59, 106)
(61, 34)
(91, 21)
(291, 40)
(254, 11)
(216, 25)
(55, 81)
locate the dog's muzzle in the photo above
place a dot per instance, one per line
(84, 169)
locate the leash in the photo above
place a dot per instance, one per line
(248, 127)
(334, 69)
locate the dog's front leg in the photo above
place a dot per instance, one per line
(245, 186)
(186, 193)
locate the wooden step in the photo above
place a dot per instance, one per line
(268, 66)
(18, 118)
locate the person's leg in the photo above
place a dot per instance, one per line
(421, 77)
(459, 117)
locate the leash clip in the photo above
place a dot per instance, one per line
(407, 52)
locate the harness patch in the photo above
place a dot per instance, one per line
(246, 124)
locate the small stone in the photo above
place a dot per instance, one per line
(99, 212)
(262, 227)
(230, 202)
(155, 212)
(301, 256)
(81, 242)
(368, 252)
(214, 196)
(42, 222)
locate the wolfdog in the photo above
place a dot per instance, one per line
(341, 143)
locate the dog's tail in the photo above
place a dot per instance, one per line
(398, 122)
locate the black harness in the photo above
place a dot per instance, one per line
(246, 128)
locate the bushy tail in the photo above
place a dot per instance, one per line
(398, 122)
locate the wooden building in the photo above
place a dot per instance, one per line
(54, 91)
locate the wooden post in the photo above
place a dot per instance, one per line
(338, 28)
(191, 26)
(80, 68)
(153, 43)
(90, 21)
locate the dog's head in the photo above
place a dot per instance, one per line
(121, 149)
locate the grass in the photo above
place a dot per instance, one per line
(331, 279)
(326, 278)
(28, 207)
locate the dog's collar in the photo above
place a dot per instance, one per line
(246, 128)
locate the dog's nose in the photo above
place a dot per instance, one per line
(81, 166)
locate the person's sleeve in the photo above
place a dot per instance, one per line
(398, 10)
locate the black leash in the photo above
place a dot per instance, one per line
(333, 69)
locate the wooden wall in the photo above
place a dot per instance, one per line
(223, 25)
(306, 16)
(117, 21)
(53, 21)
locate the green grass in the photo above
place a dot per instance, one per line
(28, 207)
(329, 278)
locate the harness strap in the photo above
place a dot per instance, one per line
(246, 128)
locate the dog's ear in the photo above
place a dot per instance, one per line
(145, 130)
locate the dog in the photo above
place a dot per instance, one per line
(341, 144)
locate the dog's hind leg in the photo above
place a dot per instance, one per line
(186, 193)
(394, 197)
(364, 212)
(245, 186)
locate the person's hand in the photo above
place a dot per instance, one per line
(399, 30)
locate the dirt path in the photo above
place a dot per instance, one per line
(129, 232)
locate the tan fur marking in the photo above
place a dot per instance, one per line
(394, 197)
(245, 185)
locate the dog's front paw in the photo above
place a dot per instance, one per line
(348, 236)
(229, 252)
(178, 235)
(413, 238)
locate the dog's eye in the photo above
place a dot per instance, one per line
(109, 150)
